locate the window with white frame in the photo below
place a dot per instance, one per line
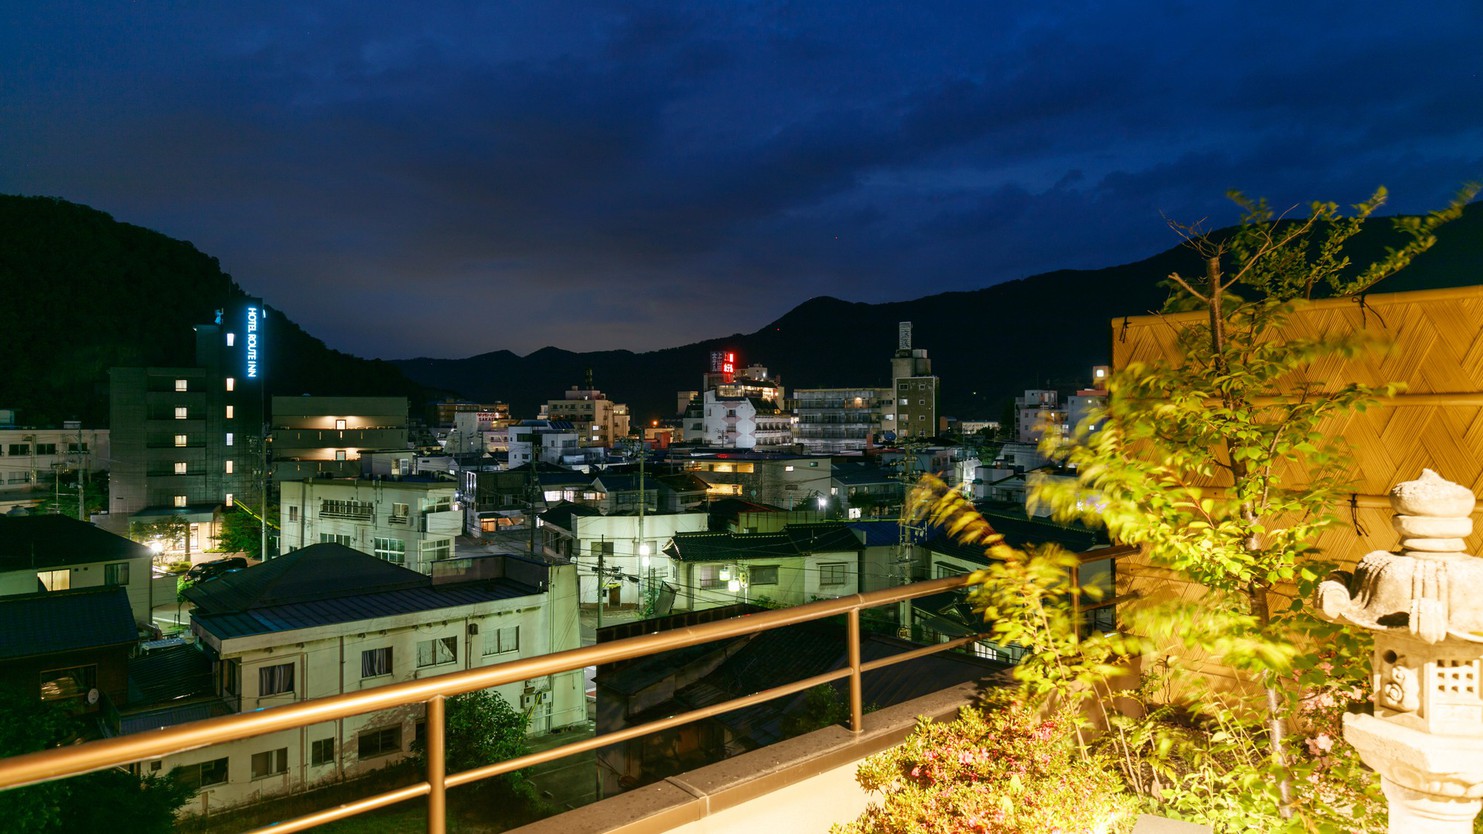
(229, 466)
(502, 640)
(275, 680)
(389, 549)
(231, 384)
(230, 501)
(375, 662)
(182, 385)
(181, 440)
(435, 549)
(230, 438)
(269, 763)
(437, 651)
(833, 574)
(334, 538)
(180, 467)
(181, 412)
(231, 412)
(182, 501)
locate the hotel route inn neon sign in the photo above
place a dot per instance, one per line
(252, 341)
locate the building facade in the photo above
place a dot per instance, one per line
(326, 621)
(319, 437)
(408, 522)
(31, 459)
(838, 421)
(187, 442)
(597, 420)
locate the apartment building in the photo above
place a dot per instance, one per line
(325, 437)
(409, 522)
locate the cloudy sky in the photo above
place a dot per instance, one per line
(436, 179)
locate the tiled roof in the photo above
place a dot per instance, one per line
(50, 541)
(793, 540)
(64, 621)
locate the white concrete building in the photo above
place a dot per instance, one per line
(408, 522)
(30, 459)
(618, 557)
(802, 563)
(328, 620)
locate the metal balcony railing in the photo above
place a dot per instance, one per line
(63, 762)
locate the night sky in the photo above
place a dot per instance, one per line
(411, 179)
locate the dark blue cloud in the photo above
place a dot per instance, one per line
(449, 178)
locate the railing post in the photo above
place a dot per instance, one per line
(857, 719)
(437, 768)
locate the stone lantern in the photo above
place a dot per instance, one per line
(1425, 608)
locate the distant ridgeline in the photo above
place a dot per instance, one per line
(83, 292)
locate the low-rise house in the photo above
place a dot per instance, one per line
(801, 563)
(865, 490)
(69, 647)
(48, 553)
(30, 458)
(327, 620)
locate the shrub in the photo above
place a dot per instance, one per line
(1006, 768)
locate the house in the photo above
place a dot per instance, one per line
(410, 521)
(327, 620)
(30, 458)
(783, 480)
(50, 553)
(618, 556)
(801, 563)
(860, 489)
(69, 646)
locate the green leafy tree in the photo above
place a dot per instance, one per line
(1194, 456)
(242, 532)
(110, 800)
(482, 728)
(62, 498)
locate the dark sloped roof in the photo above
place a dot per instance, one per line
(682, 482)
(317, 572)
(349, 609)
(65, 621)
(563, 514)
(51, 541)
(793, 540)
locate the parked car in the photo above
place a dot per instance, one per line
(215, 568)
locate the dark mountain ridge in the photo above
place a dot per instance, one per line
(85, 292)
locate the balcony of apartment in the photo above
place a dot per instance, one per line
(803, 783)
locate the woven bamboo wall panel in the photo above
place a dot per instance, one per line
(1432, 341)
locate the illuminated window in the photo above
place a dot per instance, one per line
(180, 501)
(339, 425)
(180, 440)
(231, 339)
(66, 684)
(181, 412)
(231, 384)
(231, 411)
(181, 385)
(339, 454)
(229, 438)
(55, 580)
(180, 467)
(229, 467)
(230, 502)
